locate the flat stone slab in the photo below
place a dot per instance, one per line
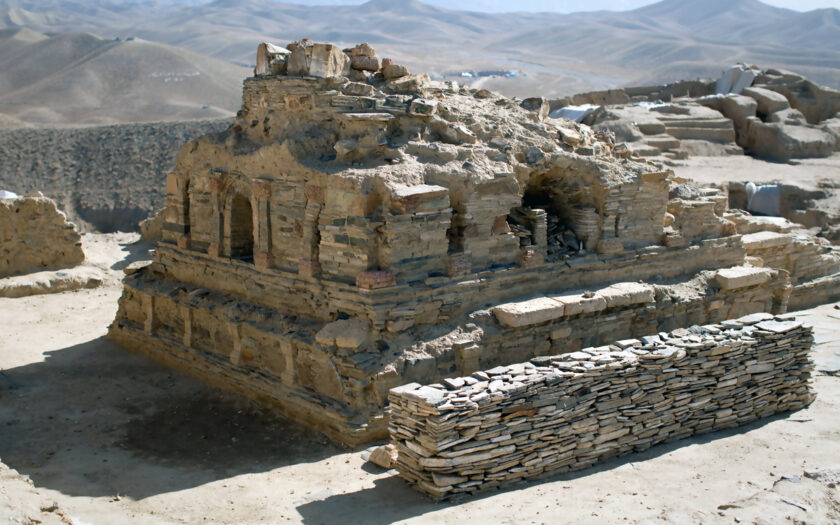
(625, 294)
(580, 304)
(51, 282)
(778, 327)
(741, 277)
(755, 318)
(527, 313)
(764, 240)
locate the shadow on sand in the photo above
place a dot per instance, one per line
(395, 500)
(137, 251)
(96, 420)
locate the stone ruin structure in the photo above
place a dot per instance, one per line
(359, 228)
(35, 236)
(772, 114)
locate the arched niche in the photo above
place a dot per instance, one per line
(239, 222)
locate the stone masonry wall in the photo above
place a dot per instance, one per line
(568, 412)
(35, 236)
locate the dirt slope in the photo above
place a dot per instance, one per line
(79, 78)
(106, 178)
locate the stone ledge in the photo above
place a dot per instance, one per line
(764, 240)
(625, 294)
(526, 313)
(544, 309)
(742, 277)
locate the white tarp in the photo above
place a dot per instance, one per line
(764, 199)
(735, 79)
(7, 195)
(576, 113)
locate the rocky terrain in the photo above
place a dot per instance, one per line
(105, 178)
(523, 54)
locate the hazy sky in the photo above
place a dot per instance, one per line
(568, 6)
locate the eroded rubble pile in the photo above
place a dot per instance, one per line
(772, 114)
(567, 412)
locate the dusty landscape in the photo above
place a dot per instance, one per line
(186, 59)
(447, 281)
(95, 434)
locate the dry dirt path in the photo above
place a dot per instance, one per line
(90, 433)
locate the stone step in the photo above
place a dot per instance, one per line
(663, 142)
(651, 128)
(643, 150)
(711, 134)
(678, 154)
(718, 123)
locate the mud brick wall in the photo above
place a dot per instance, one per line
(35, 236)
(568, 412)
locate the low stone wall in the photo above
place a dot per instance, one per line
(813, 264)
(35, 236)
(568, 412)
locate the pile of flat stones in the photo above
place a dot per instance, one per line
(568, 412)
(522, 223)
(562, 240)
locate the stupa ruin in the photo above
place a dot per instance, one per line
(359, 228)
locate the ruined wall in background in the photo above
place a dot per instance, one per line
(35, 236)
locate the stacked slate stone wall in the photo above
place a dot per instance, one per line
(568, 412)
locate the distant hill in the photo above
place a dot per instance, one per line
(550, 54)
(80, 78)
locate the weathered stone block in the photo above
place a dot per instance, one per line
(318, 60)
(372, 280)
(581, 303)
(364, 63)
(742, 277)
(623, 294)
(422, 197)
(394, 71)
(764, 240)
(526, 313)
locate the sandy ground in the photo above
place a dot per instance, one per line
(91, 433)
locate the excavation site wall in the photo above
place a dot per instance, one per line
(568, 412)
(35, 236)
